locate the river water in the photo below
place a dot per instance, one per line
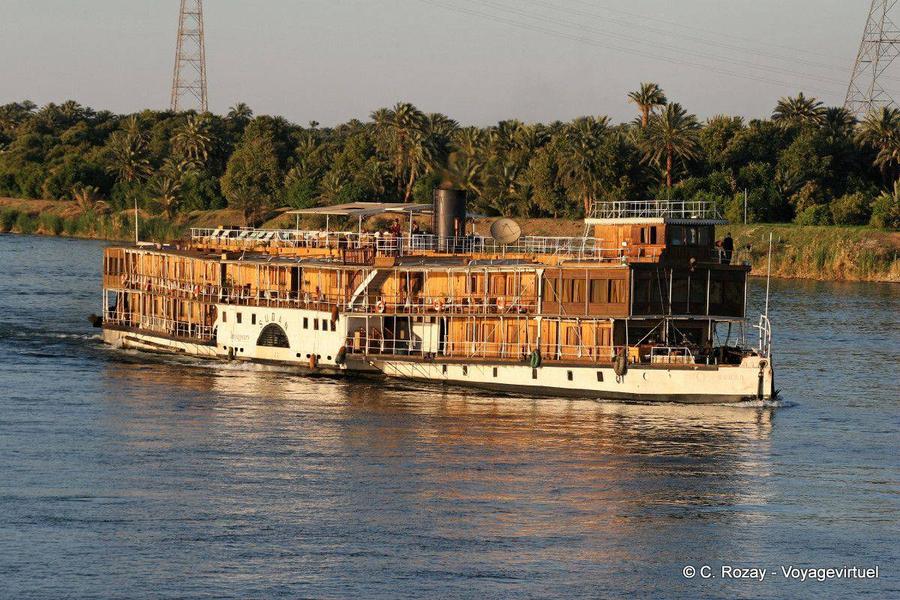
(125, 475)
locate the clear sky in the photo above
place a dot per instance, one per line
(478, 61)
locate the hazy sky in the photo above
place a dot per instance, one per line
(476, 60)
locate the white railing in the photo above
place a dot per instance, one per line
(587, 248)
(646, 209)
(393, 346)
(464, 303)
(671, 355)
(765, 336)
(154, 324)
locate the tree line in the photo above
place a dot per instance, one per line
(807, 163)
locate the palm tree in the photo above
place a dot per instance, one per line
(880, 130)
(129, 153)
(401, 134)
(437, 131)
(167, 191)
(648, 98)
(466, 159)
(579, 157)
(671, 134)
(193, 140)
(330, 187)
(798, 111)
(167, 186)
(240, 112)
(838, 122)
(87, 199)
(129, 159)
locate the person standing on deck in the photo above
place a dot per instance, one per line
(728, 248)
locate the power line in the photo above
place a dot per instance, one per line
(670, 48)
(731, 35)
(642, 26)
(595, 43)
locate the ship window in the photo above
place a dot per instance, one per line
(599, 375)
(706, 236)
(253, 318)
(578, 290)
(465, 370)
(534, 373)
(273, 336)
(316, 324)
(691, 236)
(224, 317)
(599, 291)
(549, 290)
(653, 235)
(569, 375)
(616, 291)
(305, 323)
(680, 292)
(333, 326)
(495, 371)
(238, 317)
(444, 369)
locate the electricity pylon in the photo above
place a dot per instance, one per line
(189, 80)
(879, 48)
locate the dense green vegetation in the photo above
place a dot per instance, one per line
(808, 163)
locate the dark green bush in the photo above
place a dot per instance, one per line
(51, 224)
(851, 209)
(817, 214)
(886, 212)
(8, 218)
(25, 223)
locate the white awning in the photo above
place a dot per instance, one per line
(363, 209)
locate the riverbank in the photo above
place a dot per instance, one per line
(799, 252)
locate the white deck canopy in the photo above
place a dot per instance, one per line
(362, 210)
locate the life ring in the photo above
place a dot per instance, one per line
(535, 359)
(620, 364)
(379, 306)
(341, 356)
(438, 304)
(501, 304)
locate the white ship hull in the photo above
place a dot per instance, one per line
(314, 342)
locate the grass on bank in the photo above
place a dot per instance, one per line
(119, 226)
(819, 252)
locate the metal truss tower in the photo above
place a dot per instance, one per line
(878, 50)
(189, 80)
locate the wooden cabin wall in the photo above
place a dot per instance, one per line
(437, 285)
(584, 291)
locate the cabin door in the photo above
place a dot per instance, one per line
(442, 335)
(296, 279)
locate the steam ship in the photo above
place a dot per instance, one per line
(642, 307)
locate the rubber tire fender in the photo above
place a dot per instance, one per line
(620, 366)
(535, 359)
(341, 356)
